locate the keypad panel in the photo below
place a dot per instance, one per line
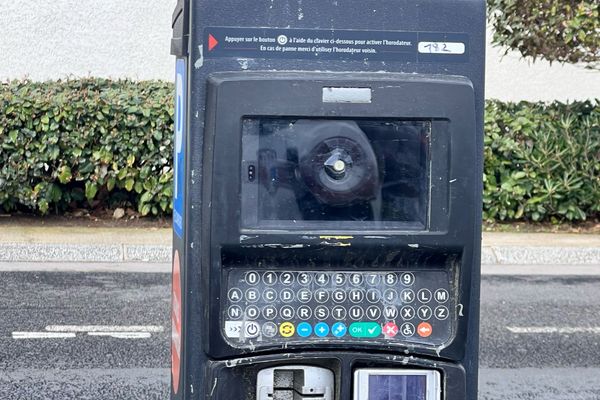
(266, 307)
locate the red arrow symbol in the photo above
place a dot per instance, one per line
(212, 42)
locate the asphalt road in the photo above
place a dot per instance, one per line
(126, 355)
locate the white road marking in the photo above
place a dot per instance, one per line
(104, 328)
(43, 335)
(123, 335)
(554, 329)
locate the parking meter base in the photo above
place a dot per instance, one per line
(341, 375)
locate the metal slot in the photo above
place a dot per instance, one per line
(295, 382)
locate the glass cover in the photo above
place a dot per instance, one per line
(397, 387)
(299, 173)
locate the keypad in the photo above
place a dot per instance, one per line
(263, 307)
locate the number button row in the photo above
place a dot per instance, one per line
(287, 278)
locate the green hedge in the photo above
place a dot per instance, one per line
(86, 142)
(555, 30)
(100, 143)
(542, 162)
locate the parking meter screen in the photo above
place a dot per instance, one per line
(306, 172)
(397, 387)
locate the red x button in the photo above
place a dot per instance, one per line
(390, 329)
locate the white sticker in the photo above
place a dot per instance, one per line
(441, 48)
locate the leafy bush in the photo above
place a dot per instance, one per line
(78, 143)
(542, 162)
(555, 30)
(94, 142)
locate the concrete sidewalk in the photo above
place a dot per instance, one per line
(115, 245)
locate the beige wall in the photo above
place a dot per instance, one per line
(44, 39)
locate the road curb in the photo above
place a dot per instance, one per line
(153, 253)
(105, 253)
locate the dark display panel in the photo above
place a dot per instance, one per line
(310, 173)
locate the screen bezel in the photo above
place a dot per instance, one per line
(249, 192)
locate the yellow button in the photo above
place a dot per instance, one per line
(287, 329)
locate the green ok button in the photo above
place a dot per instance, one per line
(365, 329)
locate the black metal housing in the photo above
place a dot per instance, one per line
(224, 87)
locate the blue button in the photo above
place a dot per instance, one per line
(339, 329)
(321, 329)
(304, 329)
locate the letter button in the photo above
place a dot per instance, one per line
(286, 312)
(441, 313)
(373, 313)
(269, 312)
(269, 295)
(234, 312)
(390, 312)
(407, 296)
(407, 313)
(252, 312)
(424, 295)
(338, 312)
(373, 296)
(321, 296)
(390, 296)
(357, 295)
(304, 313)
(286, 295)
(357, 313)
(304, 295)
(234, 295)
(424, 313)
(339, 296)
(441, 295)
(321, 312)
(252, 295)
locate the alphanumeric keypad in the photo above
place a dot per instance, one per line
(273, 306)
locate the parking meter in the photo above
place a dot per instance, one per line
(327, 199)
